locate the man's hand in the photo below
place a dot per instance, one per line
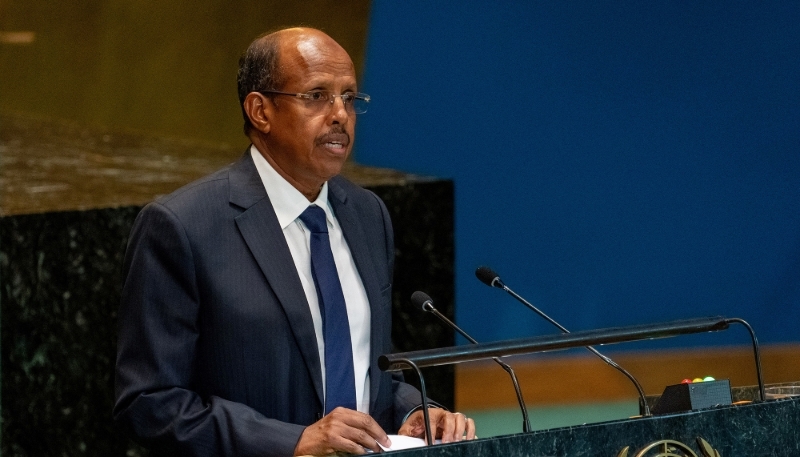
(446, 426)
(342, 430)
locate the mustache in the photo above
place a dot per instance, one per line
(337, 133)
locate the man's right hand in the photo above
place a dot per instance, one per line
(342, 430)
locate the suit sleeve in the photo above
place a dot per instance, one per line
(156, 356)
(405, 397)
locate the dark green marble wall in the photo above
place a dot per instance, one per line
(60, 292)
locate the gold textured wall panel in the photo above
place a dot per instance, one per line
(156, 66)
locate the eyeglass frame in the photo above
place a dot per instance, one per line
(306, 96)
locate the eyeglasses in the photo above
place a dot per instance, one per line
(317, 100)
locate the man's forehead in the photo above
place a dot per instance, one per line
(306, 50)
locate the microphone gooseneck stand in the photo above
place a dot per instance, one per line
(425, 302)
(756, 353)
(487, 276)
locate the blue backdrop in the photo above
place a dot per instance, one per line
(616, 162)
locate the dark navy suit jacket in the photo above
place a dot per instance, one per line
(217, 353)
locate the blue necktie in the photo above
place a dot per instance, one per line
(340, 383)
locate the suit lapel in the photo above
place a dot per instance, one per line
(358, 243)
(261, 231)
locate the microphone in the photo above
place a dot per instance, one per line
(487, 276)
(422, 300)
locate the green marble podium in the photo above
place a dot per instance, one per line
(769, 428)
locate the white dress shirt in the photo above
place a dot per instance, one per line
(288, 204)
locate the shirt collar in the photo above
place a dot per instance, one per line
(287, 201)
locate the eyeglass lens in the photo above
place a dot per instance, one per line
(353, 102)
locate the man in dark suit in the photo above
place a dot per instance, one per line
(225, 317)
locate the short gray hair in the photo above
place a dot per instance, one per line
(259, 70)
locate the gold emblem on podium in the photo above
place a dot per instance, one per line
(672, 448)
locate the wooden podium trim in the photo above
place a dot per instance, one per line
(579, 378)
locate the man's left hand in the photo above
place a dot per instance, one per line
(446, 426)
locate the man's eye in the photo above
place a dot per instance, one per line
(317, 96)
(348, 97)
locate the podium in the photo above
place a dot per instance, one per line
(750, 428)
(765, 428)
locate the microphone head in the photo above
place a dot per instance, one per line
(489, 277)
(422, 300)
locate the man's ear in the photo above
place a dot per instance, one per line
(259, 109)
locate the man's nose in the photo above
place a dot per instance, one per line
(339, 108)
